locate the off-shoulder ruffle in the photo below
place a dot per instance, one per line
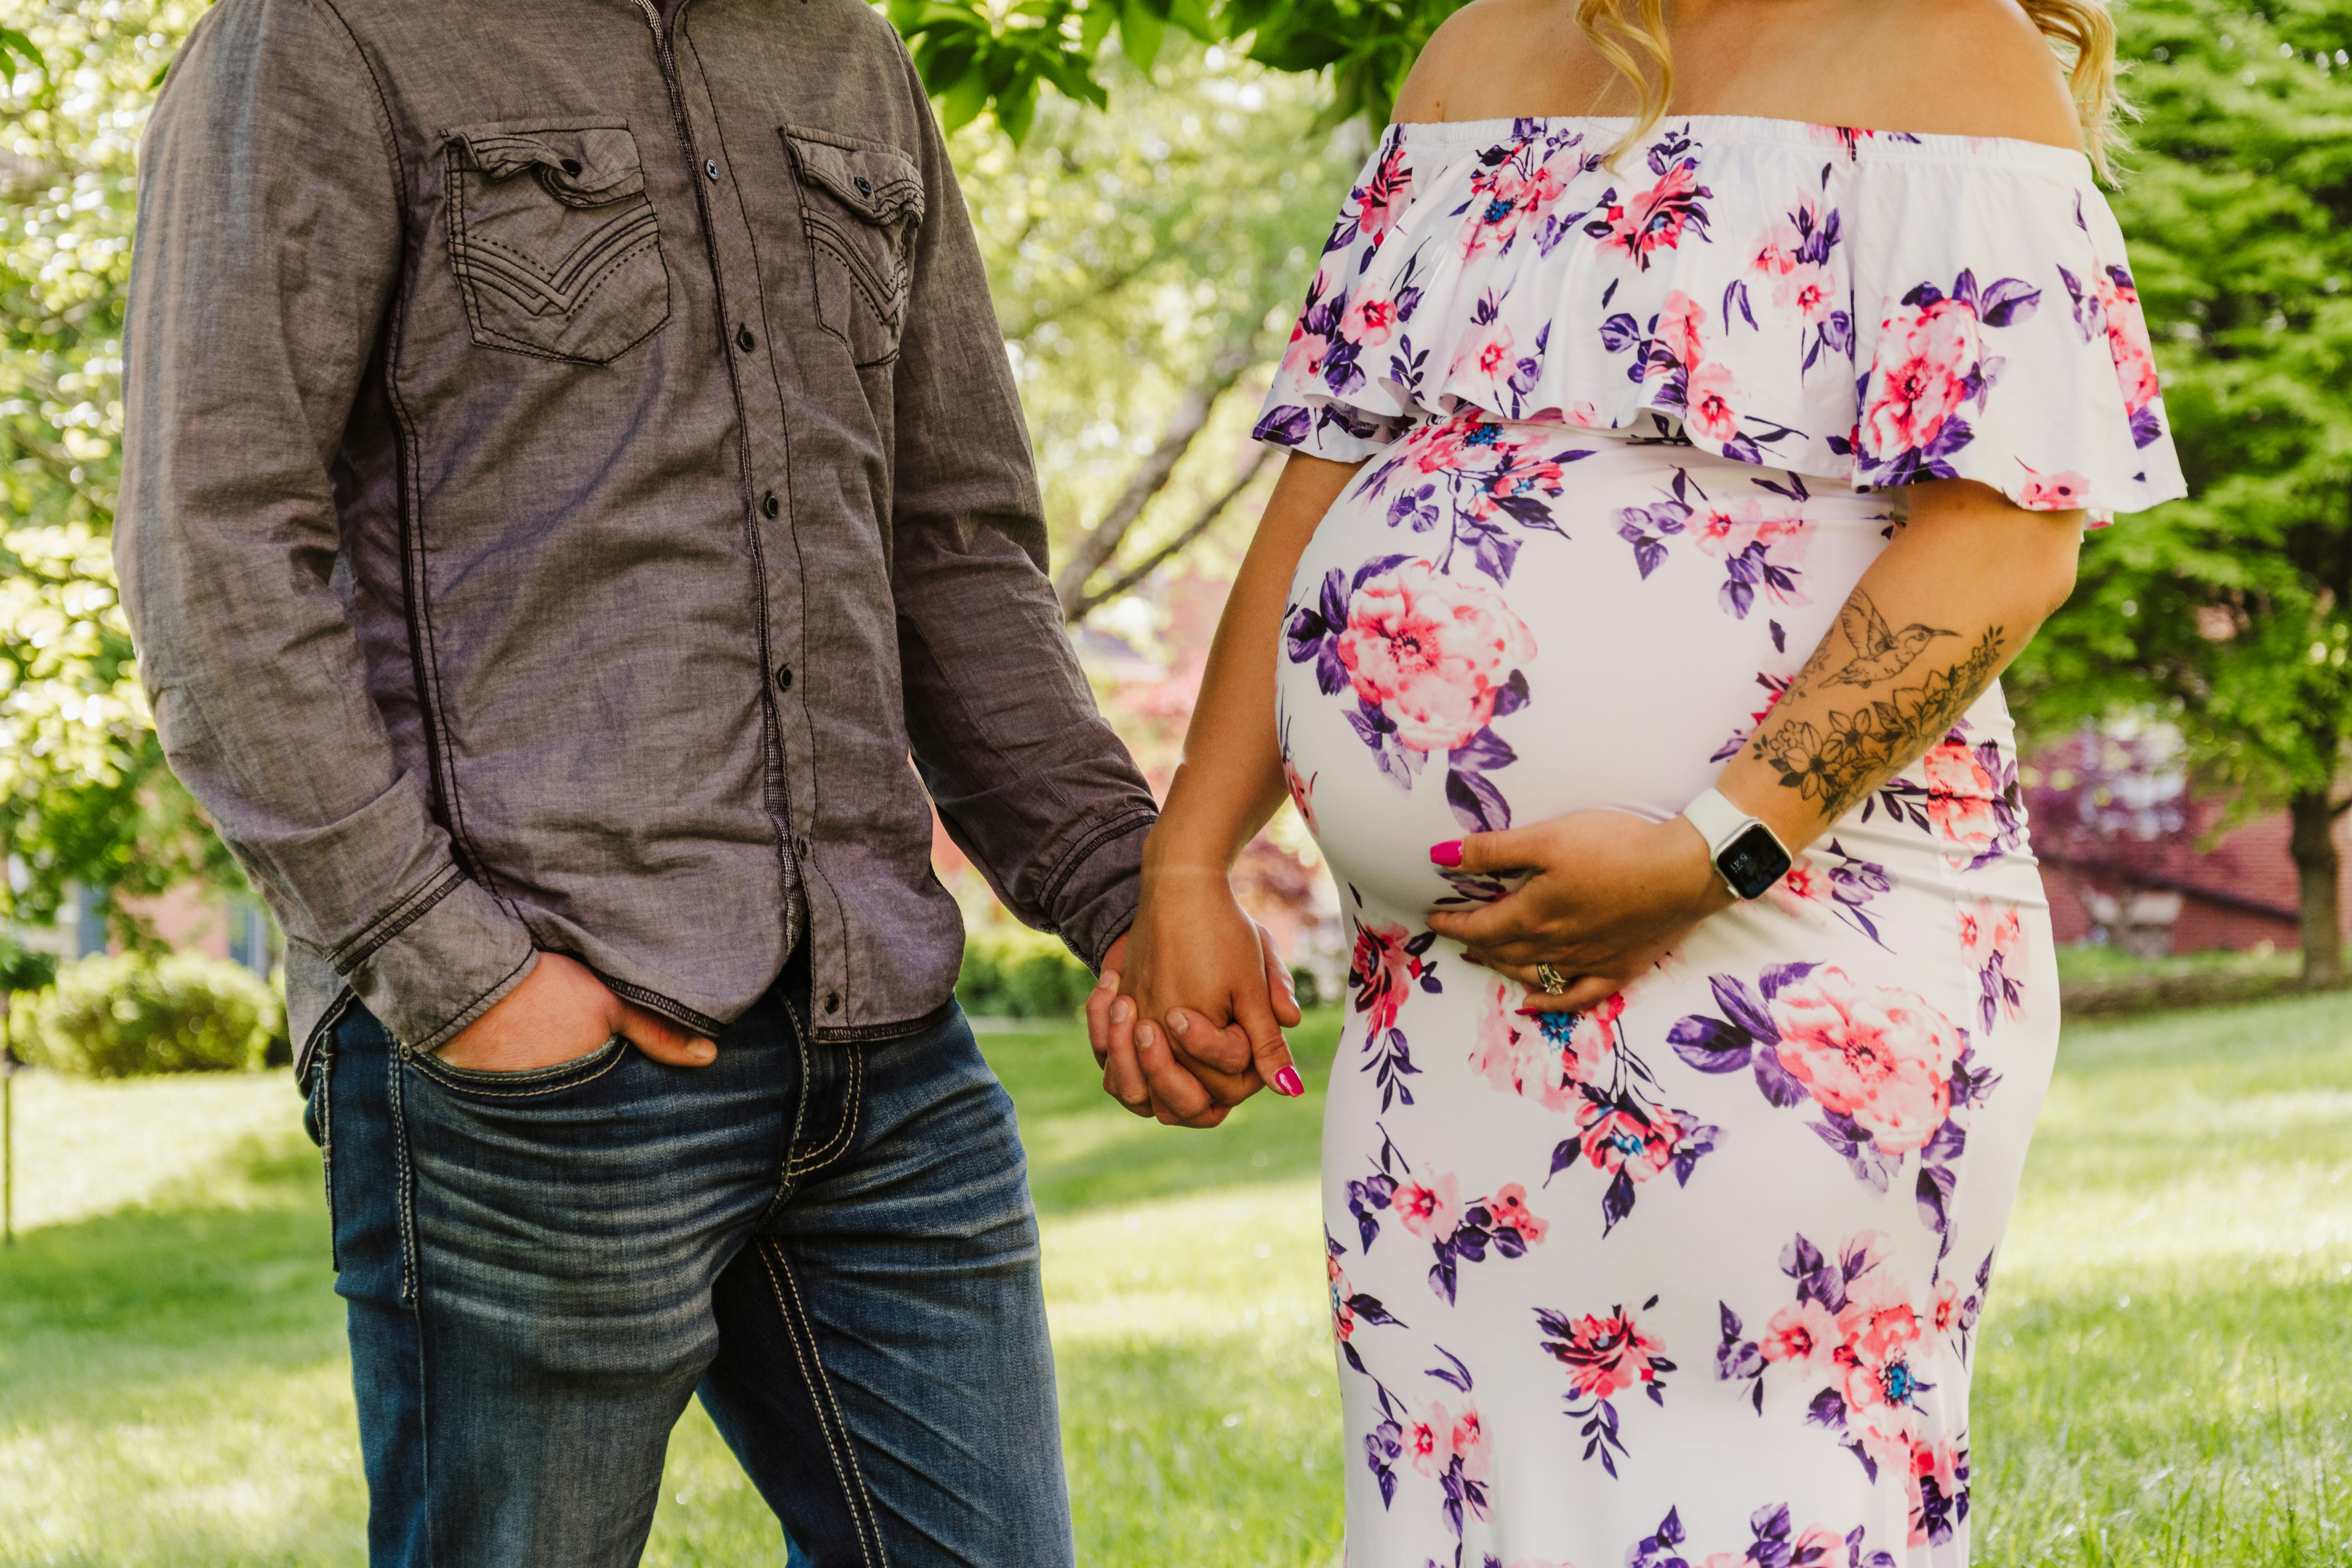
(1857, 307)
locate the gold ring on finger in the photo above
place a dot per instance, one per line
(1552, 980)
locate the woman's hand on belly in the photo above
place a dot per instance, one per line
(1612, 894)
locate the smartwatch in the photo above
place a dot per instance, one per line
(1748, 855)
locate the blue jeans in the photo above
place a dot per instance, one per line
(834, 1247)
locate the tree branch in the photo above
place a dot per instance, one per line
(1184, 427)
(1192, 530)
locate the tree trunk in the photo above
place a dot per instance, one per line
(2319, 874)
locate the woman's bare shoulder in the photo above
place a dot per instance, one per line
(2010, 82)
(1495, 59)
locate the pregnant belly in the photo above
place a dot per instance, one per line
(1502, 623)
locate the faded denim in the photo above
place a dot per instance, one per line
(835, 1248)
(569, 465)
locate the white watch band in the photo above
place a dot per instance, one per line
(1717, 820)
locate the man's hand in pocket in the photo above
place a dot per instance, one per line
(561, 1012)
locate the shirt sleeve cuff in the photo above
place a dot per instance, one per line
(1095, 891)
(440, 961)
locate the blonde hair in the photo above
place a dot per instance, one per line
(1630, 35)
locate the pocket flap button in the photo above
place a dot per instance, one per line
(571, 166)
(744, 340)
(864, 187)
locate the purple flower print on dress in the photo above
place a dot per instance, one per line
(1445, 1441)
(1992, 936)
(1389, 964)
(1480, 480)
(1890, 1075)
(1605, 1355)
(1930, 365)
(1428, 1203)
(1350, 1306)
(1861, 1343)
(1843, 890)
(2109, 302)
(1790, 266)
(1775, 1542)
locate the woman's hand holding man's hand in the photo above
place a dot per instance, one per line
(1611, 893)
(1187, 1020)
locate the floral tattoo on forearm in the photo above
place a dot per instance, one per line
(1845, 756)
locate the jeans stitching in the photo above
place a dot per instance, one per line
(842, 1134)
(845, 1460)
(403, 1181)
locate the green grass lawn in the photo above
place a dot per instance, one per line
(2163, 1380)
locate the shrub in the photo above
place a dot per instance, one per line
(1015, 973)
(117, 1017)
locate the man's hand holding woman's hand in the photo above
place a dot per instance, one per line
(1187, 1020)
(561, 1012)
(1611, 894)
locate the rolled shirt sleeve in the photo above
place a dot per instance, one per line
(1030, 781)
(268, 249)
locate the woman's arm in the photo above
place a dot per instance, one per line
(1937, 617)
(1191, 944)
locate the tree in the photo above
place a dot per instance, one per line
(85, 798)
(2229, 613)
(1146, 268)
(979, 55)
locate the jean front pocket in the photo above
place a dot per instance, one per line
(555, 243)
(531, 1083)
(861, 203)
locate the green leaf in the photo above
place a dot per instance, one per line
(13, 42)
(1017, 108)
(961, 104)
(1193, 16)
(1139, 34)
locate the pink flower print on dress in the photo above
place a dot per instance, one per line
(1643, 223)
(1509, 1208)
(1708, 403)
(1960, 801)
(1809, 291)
(1605, 1355)
(1763, 545)
(1512, 1053)
(1803, 1335)
(1383, 973)
(1617, 1139)
(2128, 341)
(1379, 201)
(1370, 321)
(1926, 369)
(1514, 194)
(2068, 491)
(1879, 1319)
(1429, 1204)
(1876, 1054)
(1681, 325)
(1431, 652)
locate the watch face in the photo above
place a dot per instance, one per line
(1752, 862)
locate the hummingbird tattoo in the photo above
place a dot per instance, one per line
(1880, 653)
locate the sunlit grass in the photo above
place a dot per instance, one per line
(173, 1389)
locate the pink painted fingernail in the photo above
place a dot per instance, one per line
(1287, 1080)
(1446, 854)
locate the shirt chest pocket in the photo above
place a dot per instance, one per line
(555, 246)
(861, 203)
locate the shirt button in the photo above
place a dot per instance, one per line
(801, 847)
(744, 340)
(710, 167)
(864, 187)
(833, 1001)
(769, 505)
(784, 677)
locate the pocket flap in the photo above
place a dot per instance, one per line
(583, 166)
(881, 185)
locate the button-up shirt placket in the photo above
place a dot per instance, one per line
(763, 449)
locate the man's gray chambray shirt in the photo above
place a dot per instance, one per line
(571, 465)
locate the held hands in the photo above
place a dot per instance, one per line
(561, 1012)
(1187, 1020)
(1612, 894)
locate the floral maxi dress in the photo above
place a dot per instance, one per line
(1691, 1277)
